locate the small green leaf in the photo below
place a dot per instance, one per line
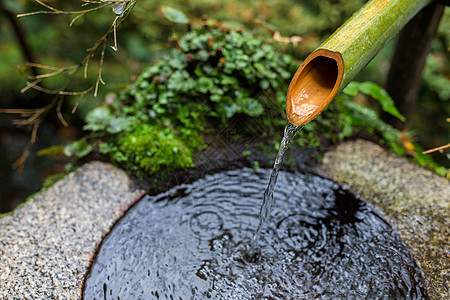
(79, 148)
(104, 148)
(380, 94)
(250, 106)
(264, 84)
(117, 125)
(51, 151)
(204, 84)
(174, 15)
(215, 98)
(376, 92)
(98, 114)
(351, 89)
(97, 119)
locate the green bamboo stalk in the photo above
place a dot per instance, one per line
(345, 53)
(363, 35)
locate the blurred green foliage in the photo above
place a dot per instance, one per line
(215, 73)
(428, 119)
(314, 20)
(347, 117)
(143, 40)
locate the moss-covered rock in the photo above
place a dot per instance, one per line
(212, 74)
(215, 78)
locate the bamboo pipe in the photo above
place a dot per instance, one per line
(329, 69)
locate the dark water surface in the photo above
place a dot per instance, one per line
(189, 243)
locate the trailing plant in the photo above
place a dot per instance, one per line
(214, 73)
(33, 118)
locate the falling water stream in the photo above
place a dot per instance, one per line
(289, 133)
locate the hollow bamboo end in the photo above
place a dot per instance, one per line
(314, 85)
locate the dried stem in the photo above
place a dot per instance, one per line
(54, 11)
(59, 114)
(436, 149)
(125, 9)
(99, 74)
(34, 117)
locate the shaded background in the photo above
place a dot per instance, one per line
(48, 40)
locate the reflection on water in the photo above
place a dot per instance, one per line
(189, 243)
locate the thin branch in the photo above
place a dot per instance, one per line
(40, 66)
(59, 114)
(436, 149)
(87, 2)
(46, 75)
(20, 162)
(74, 109)
(46, 5)
(34, 132)
(121, 15)
(115, 35)
(99, 75)
(84, 92)
(86, 64)
(76, 18)
(20, 111)
(34, 85)
(34, 117)
(30, 85)
(62, 12)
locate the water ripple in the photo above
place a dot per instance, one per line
(189, 243)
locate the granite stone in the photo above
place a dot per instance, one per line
(415, 201)
(47, 244)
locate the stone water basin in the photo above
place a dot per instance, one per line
(47, 246)
(191, 243)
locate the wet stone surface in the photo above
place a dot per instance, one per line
(415, 201)
(190, 243)
(46, 245)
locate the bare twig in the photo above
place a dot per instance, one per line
(122, 8)
(115, 35)
(20, 162)
(34, 117)
(29, 85)
(59, 114)
(99, 75)
(436, 149)
(76, 18)
(54, 11)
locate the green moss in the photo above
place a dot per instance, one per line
(151, 149)
(213, 76)
(51, 180)
(9, 213)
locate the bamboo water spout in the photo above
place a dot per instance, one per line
(327, 70)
